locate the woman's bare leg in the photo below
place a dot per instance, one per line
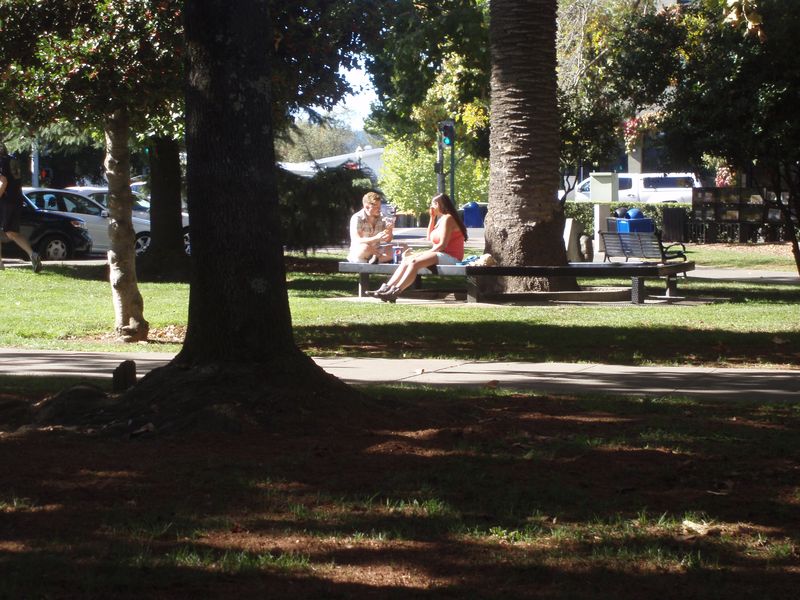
(409, 274)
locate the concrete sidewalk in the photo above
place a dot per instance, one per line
(756, 385)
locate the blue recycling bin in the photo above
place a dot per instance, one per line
(635, 226)
(473, 216)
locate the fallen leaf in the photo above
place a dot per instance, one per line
(491, 384)
(148, 428)
(700, 528)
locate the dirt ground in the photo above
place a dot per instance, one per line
(485, 495)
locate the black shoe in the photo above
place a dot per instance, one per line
(390, 295)
(36, 262)
(380, 290)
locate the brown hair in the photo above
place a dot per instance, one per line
(371, 198)
(449, 208)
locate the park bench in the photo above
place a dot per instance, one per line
(641, 245)
(638, 272)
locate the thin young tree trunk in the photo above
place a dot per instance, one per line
(130, 323)
(524, 225)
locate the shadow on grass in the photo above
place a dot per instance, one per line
(516, 341)
(476, 496)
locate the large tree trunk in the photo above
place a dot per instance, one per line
(239, 363)
(525, 224)
(238, 306)
(130, 323)
(166, 257)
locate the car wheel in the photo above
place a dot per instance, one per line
(142, 242)
(187, 241)
(54, 247)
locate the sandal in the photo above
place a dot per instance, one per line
(389, 295)
(380, 290)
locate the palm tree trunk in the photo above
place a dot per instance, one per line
(130, 323)
(525, 223)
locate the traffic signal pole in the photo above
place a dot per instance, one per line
(446, 137)
(439, 166)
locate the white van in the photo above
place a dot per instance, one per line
(647, 188)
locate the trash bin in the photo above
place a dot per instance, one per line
(674, 225)
(635, 226)
(473, 216)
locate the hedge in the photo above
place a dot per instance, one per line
(583, 212)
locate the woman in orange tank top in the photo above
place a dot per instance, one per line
(447, 234)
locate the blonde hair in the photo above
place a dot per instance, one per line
(371, 198)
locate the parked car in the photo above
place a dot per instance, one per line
(647, 188)
(95, 215)
(141, 206)
(54, 236)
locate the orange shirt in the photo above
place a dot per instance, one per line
(455, 246)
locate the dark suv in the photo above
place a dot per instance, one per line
(53, 236)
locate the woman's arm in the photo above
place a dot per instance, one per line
(431, 223)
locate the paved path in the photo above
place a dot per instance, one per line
(709, 383)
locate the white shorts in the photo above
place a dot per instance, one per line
(445, 259)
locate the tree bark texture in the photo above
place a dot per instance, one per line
(166, 257)
(525, 224)
(166, 227)
(238, 305)
(130, 323)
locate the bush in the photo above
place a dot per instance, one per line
(315, 211)
(583, 212)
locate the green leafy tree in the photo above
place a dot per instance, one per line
(407, 179)
(309, 141)
(590, 110)
(409, 183)
(726, 88)
(101, 65)
(434, 64)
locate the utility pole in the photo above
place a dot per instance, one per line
(35, 162)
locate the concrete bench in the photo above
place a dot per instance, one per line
(642, 245)
(638, 272)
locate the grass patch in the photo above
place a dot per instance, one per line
(756, 325)
(450, 503)
(771, 257)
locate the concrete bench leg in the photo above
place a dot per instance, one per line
(637, 290)
(672, 285)
(363, 284)
(473, 294)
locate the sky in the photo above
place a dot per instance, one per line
(355, 107)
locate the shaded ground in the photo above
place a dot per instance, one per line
(469, 496)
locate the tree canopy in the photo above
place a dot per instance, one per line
(723, 88)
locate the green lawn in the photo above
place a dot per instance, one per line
(770, 257)
(66, 308)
